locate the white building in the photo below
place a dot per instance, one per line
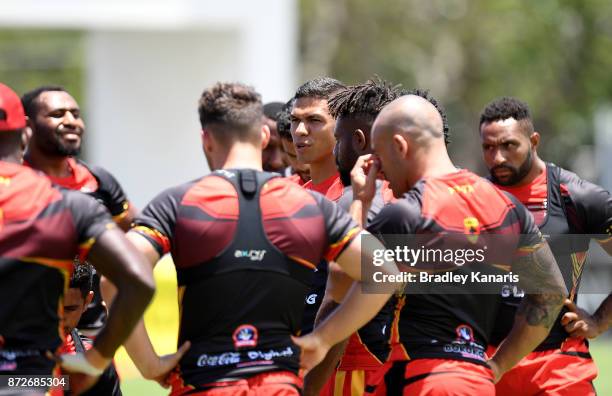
(147, 64)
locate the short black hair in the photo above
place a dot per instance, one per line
(319, 88)
(82, 278)
(283, 120)
(28, 99)
(424, 93)
(231, 108)
(363, 100)
(503, 108)
(272, 109)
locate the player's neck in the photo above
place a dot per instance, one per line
(52, 166)
(321, 171)
(435, 164)
(13, 158)
(242, 155)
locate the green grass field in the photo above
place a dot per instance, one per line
(162, 323)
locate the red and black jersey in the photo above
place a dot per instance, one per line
(101, 185)
(42, 230)
(457, 325)
(565, 206)
(332, 189)
(370, 346)
(245, 245)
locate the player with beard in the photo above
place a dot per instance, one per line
(444, 336)
(42, 229)
(241, 292)
(297, 172)
(54, 118)
(312, 130)
(273, 158)
(355, 109)
(562, 204)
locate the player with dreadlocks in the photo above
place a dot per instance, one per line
(355, 109)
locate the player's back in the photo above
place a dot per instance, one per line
(245, 245)
(452, 317)
(42, 230)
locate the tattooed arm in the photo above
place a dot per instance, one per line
(545, 293)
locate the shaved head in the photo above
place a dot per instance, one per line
(413, 115)
(407, 133)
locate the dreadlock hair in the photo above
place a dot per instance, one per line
(283, 120)
(364, 100)
(424, 93)
(504, 108)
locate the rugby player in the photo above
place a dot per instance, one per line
(298, 172)
(312, 129)
(245, 244)
(361, 368)
(76, 299)
(42, 230)
(273, 156)
(562, 204)
(54, 118)
(444, 337)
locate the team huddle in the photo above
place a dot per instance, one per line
(269, 248)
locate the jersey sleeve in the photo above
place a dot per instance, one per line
(339, 226)
(593, 205)
(114, 197)
(157, 220)
(91, 219)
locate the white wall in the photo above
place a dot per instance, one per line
(147, 63)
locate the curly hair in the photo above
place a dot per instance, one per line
(503, 108)
(231, 110)
(82, 278)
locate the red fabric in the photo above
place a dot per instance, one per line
(356, 382)
(331, 188)
(10, 104)
(440, 377)
(532, 195)
(551, 373)
(280, 383)
(80, 179)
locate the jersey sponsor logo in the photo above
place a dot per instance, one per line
(271, 354)
(254, 255)
(245, 336)
(461, 188)
(5, 181)
(465, 333)
(311, 299)
(471, 227)
(222, 359)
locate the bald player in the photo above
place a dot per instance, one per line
(444, 335)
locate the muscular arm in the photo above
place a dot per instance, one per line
(356, 309)
(115, 258)
(338, 284)
(545, 290)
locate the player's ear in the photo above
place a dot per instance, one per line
(265, 136)
(535, 139)
(26, 134)
(401, 145)
(207, 143)
(360, 143)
